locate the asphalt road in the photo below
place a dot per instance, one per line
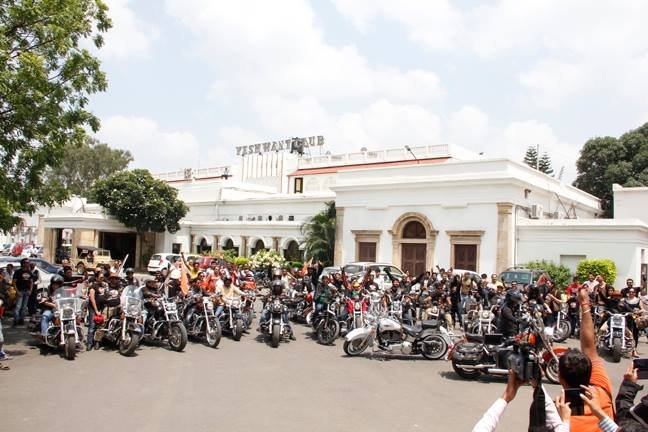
(246, 386)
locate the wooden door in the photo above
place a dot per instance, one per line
(413, 258)
(465, 257)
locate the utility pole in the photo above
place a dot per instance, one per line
(537, 157)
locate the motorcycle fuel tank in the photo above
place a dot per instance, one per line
(387, 324)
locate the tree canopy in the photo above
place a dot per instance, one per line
(140, 201)
(604, 161)
(543, 164)
(46, 77)
(319, 234)
(86, 163)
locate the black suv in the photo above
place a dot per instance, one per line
(523, 276)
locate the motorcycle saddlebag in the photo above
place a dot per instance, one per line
(468, 353)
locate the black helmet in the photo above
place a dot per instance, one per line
(227, 279)
(56, 279)
(514, 297)
(129, 270)
(277, 287)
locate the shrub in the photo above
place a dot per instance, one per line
(557, 272)
(267, 259)
(603, 267)
(240, 261)
(291, 264)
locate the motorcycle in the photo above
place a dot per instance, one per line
(617, 339)
(64, 331)
(124, 329)
(387, 334)
(231, 320)
(247, 310)
(164, 325)
(201, 322)
(490, 354)
(562, 327)
(356, 307)
(483, 324)
(326, 325)
(276, 326)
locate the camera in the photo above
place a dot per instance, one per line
(524, 362)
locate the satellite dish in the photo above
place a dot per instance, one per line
(363, 149)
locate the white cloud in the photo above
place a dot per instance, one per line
(469, 127)
(129, 35)
(436, 24)
(151, 147)
(279, 49)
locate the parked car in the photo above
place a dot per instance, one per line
(89, 258)
(160, 261)
(41, 264)
(523, 276)
(45, 274)
(327, 271)
(473, 275)
(362, 266)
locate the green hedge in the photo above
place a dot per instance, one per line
(557, 272)
(603, 267)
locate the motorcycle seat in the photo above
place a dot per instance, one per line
(430, 324)
(412, 330)
(477, 338)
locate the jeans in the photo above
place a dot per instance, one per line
(407, 317)
(219, 310)
(22, 297)
(91, 328)
(46, 318)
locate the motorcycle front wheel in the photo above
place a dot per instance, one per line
(177, 336)
(434, 347)
(128, 346)
(237, 331)
(355, 347)
(276, 335)
(562, 331)
(551, 370)
(213, 336)
(327, 332)
(465, 373)
(616, 350)
(69, 347)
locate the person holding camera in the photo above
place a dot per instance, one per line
(628, 414)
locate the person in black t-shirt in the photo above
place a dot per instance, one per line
(22, 279)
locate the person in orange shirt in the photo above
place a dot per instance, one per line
(584, 367)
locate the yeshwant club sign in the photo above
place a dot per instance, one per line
(296, 145)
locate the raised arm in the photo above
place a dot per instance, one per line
(587, 336)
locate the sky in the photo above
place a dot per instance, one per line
(189, 80)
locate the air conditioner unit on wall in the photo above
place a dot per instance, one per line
(536, 211)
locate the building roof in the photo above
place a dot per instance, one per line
(372, 165)
(583, 223)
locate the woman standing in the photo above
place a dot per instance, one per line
(96, 302)
(632, 304)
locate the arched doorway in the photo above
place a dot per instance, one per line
(258, 246)
(292, 252)
(413, 243)
(229, 245)
(204, 247)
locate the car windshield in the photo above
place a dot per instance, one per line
(522, 278)
(352, 268)
(157, 258)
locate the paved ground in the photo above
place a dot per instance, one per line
(245, 386)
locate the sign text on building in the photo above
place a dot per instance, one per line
(283, 145)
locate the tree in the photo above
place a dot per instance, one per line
(531, 157)
(46, 77)
(604, 161)
(86, 163)
(140, 201)
(557, 272)
(319, 235)
(544, 165)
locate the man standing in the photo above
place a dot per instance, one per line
(24, 282)
(591, 283)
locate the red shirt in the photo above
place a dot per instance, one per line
(573, 289)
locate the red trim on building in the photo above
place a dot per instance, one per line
(336, 168)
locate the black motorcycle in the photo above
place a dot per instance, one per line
(124, 329)
(163, 324)
(492, 354)
(231, 320)
(200, 321)
(277, 326)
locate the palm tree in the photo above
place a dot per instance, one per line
(319, 234)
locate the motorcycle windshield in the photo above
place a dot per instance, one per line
(66, 299)
(133, 292)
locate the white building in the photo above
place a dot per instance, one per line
(417, 208)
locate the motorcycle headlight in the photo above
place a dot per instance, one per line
(133, 309)
(485, 314)
(67, 313)
(171, 307)
(236, 303)
(209, 305)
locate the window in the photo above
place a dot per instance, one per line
(280, 218)
(270, 218)
(299, 184)
(465, 257)
(176, 248)
(260, 218)
(291, 218)
(367, 251)
(414, 230)
(240, 218)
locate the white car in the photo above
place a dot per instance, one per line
(45, 275)
(160, 261)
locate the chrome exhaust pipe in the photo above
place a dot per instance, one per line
(472, 367)
(496, 371)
